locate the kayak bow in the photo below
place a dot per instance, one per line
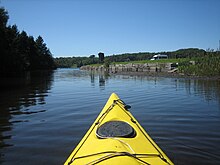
(116, 137)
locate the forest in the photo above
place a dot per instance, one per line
(19, 52)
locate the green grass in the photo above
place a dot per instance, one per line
(208, 65)
(148, 61)
(154, 61)
(204, 66)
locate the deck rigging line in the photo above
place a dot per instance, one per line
(112, 154)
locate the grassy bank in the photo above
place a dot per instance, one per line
(208, 65)
(154, 61)
(204, 66)
(148, 61)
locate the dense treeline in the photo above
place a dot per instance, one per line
(181, 53)
(75, 62)
(79, 61)
(19, 52)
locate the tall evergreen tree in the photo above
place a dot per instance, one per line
(45, 56)
(20, 52)
(3, 22)
(3, 17)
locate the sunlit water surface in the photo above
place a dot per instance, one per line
(44, 115)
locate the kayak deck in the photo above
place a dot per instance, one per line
(116, 137)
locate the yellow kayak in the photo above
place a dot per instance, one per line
(116, 138)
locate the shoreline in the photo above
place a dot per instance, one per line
(166, 75)
(154, 70)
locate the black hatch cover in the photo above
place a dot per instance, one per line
(115, 129)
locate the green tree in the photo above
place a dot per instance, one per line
(92, 57)
(3, 45)
(107, 63)
(23, 52)
(3, 17)
(44, 54)
(19, 52)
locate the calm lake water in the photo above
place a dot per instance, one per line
(44, 115)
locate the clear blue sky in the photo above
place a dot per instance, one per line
(86, 27)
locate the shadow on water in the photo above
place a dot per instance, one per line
(19, 93)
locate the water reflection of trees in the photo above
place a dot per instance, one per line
(19, 93)
(102, 78)
(209, 89)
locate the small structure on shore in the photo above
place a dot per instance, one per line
(159, 56)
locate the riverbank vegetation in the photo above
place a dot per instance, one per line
(191, 61)
(142, 57)
(20, 52)
(207, 65)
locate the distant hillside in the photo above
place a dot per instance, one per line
(81, 61)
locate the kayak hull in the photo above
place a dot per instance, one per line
(110, 147)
